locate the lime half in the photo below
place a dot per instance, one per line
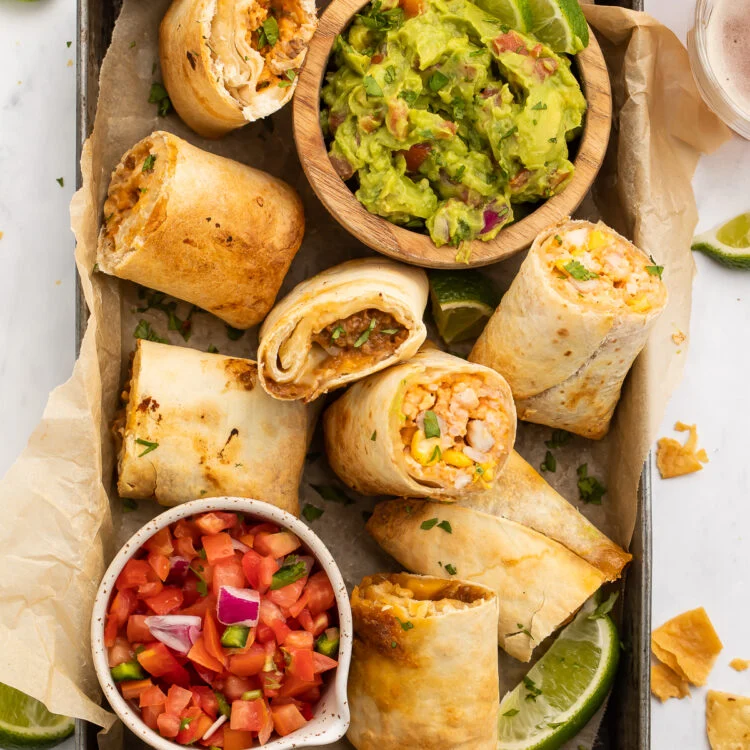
(25, 722)
(462, 303)
(513, 13)
(564, 689)
(559, 24)
(729, 243)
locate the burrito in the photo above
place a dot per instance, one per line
(539, 582)
(199, 425)
(434, 426)
(520, 494)
(229, 62)
(572, 323)
(345, 323)
(418, 643)
(199, 227)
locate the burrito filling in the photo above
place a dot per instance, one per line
(594, 264)
(420, 599)
(455, 431)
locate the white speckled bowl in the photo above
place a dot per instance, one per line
(332, 713)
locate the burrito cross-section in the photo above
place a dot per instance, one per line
(229, 62)
(201, 228)
(434, 426)
(199, 425)
(341, 325)
(571, 325)
(419, 644)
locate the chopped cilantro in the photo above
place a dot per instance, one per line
(558, 439)
(311, 513)
(408, 96)
(149, 446)
(365, 335)
(148, 163)
(654, 270)
(60, 181)
(405, 625)
(549, 463)
(450, 569)
(159, 96)
(144, 331)
(579, 271)
(129, 505)
(374, 436)
(332, 494)
(371, 86)
(437, 80)
(533, 691)
(427, 525)
(234, 334)
(445, 526)
(540, 106)
(590, 489)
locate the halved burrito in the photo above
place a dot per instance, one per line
(520, 494)
(573, 321)
(424, 665)
(538, 582)
(347, 322)
(229, 62)
(434, 426)
(199, 227)
(199, 425)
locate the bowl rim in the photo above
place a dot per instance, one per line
(412, 247)
(335, 723)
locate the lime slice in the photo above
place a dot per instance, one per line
(25, 722)
(559, 24)
(513, 13)
(462, 303)
(729, 243)
(564, 689)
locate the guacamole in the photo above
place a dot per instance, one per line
(448, 118)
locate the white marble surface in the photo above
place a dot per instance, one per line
(700, 553)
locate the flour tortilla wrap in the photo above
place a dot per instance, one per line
(216, 431)
(341, 325)
(200, 227)
(424, 665)
(564, 341)
(380, 436)
(538, 582)
(217, 70)
(520, 494)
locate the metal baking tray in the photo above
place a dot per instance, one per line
(627, 721)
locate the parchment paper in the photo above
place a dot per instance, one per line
(61, 520)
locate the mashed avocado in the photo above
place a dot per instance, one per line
(447, 117)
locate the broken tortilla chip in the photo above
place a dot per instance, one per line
(674, 459)
(727, 721)
(739, 665)
(668, 659)
(692, 640)
(665, 683)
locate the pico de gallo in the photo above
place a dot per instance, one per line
(220, 631)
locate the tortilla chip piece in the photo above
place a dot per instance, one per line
(668, 659)
(667, 684)
(739, 665)
(674, 459)
(692, 640)
(727, 721)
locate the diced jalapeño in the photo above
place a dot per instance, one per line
(128, 670)
(235, 636)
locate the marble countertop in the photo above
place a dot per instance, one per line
(700, 555)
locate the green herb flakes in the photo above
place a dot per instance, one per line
(445, 526)
(371, 86)
(549, 463)
(234, 334)
(579, 271)
(558, 439)
(450, 569)
(148, 445)
(60, 181)
(332, 494)
(148, 163)
(144, 331)
(365, 335)
(590, 489)
(405, 625)
(311, 513)
(429, 524)
(129, 505)
(654, 270)
(437, 80)
(431, 425)
(159, 96)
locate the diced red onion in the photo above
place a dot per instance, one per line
(179, 632)
(239, 546)
(238, 606)
(491, 220)
(178, 568)
(214, 727)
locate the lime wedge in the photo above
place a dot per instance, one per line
(729, 243)
(513, 13)
(462, 303)
(564, 689)
(559, 24)
(25, 722)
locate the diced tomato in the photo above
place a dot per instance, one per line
(199, 606)
(264, 634)
(259, 570)
(272, 616)
(545, 67)
(153, 696)
(168, 600)
(299, 639)
(306, 619)
(323, 663)
(216, 739)
(159, 661)
(510, 42)
(184, 547)
(234, 740)
(160, 564)
(302, 665)
(190, 726)
(216, 521)
(247, 540)
(248, 716)
(185, 529)
(306, 710)
(160, 543)
(412, 7)
(227, 573)
(138, 631)
(200, 655)
(123, 605)
(287, 596)
(287, 719)
(134, 574)
(217, 547)
(320, 596)
(320, 623)
(168, 725)
(249, 663)
(294, 687)
(150, 589)
(133, 688)
(178, 699)
(277, 545)
(310, 696)
(120, 652)
(267, 731)
(206, 700)
(150, 716)
(235, 687)
(204, 724)
(271, 682)
(212, 640)
(416, 156)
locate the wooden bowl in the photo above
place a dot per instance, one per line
(413, 247)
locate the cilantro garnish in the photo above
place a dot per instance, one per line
(579, 271)
(590, 489)
(549, 463)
